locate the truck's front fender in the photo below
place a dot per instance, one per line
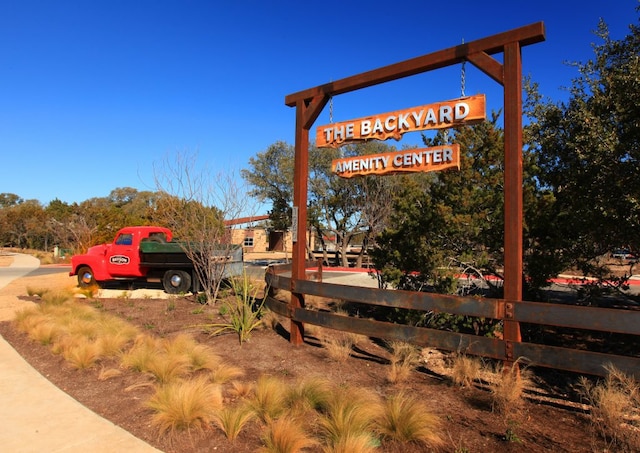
(96, 263)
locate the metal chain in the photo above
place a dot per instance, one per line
(330, 109)
(463, 75)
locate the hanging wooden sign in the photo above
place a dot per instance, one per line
(441, 115)
(407, 161)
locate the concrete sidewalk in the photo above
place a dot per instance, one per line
(36, 416)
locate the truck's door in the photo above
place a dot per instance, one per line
(123, 259)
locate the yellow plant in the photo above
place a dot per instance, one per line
(185, 405)
(337, 344)
(309, 394)
(349, 416)
(37, 291)
(141, 353)
(285, 435)
(615, 409)
(407, 419)
(81, 353)
(405, 358)
(507, 387)
(353, 443)
(224, 373)
(231, 420)
(269, 397)
(465, 370)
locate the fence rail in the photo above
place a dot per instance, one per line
(617, 321)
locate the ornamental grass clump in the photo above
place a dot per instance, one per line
(269, 398)
(232, 419)
(407, 419)
(348, 421)
(285, 435)
(615, 409)
(405, 358)
(465, 370)
(185, 405)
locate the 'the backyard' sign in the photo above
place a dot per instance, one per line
(440, 115)
(407, 161)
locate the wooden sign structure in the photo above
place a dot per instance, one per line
(441, 115)
(508, 73)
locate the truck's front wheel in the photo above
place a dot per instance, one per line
(86, 277)
(176, 282)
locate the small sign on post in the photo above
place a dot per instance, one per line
(294, 224)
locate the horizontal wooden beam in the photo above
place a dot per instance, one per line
(529, 34)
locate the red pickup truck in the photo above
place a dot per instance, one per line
(147, 253)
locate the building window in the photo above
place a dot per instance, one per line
(248, 242)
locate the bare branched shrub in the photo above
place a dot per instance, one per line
(195, 205)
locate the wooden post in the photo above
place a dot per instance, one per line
(512, 191)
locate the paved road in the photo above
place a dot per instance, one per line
(39, 417)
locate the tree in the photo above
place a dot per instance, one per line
(271, 176)
(348, 208)
(448, 217)
(194, 204)
(589, 159)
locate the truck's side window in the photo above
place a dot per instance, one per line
(124, 239)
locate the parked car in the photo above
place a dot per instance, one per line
(622, 254)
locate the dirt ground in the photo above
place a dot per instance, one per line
(548, 420)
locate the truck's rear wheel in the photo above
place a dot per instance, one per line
(176, 282)
(86, 277)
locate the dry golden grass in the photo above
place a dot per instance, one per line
(108, 373)
(407, 419)
(268, 398)
(225, 373)
(615, 409)
(37, 291)
(231, 420)
(405, 358)
(285, 435)
(185, 405)
(309, 394)
(241, 389)
(142, 351)
(81, 352)
(465, 370)
(507, 388)
(349, 417)
(353, 443)
(338, 345)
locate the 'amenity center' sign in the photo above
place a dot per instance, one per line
(411, 160)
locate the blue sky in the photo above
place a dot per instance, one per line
(94, 93)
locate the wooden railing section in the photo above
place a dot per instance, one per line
(611, 320)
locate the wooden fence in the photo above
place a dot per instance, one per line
(617, 321)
